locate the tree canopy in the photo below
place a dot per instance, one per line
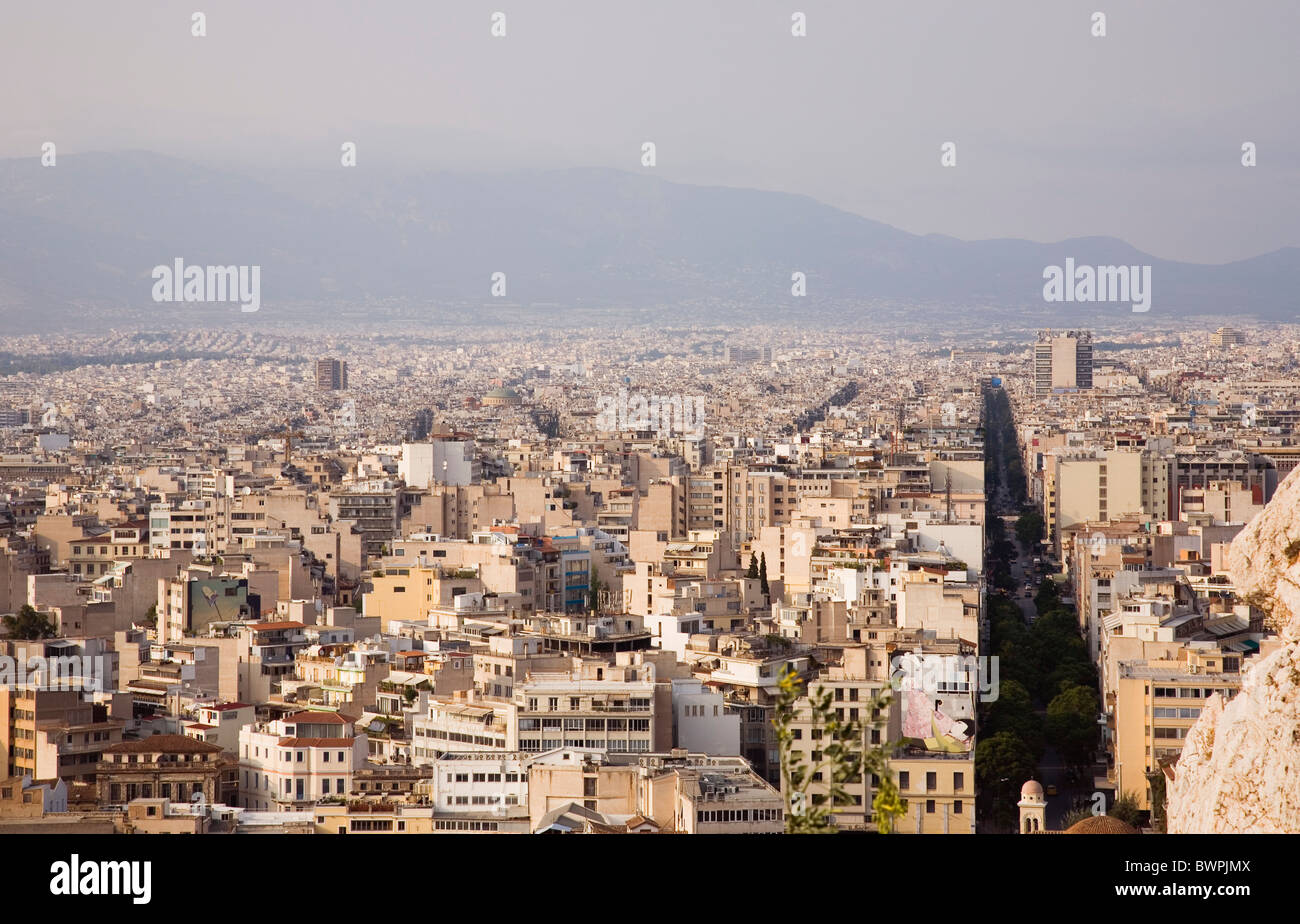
(29, 624)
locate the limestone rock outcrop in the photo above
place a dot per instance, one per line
(1239, 771)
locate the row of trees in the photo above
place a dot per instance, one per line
(1043, 664)
(1047, 682)
(1001, 448)
(1001, 551)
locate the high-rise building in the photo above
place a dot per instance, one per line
(742, 355)
(1226, 337)
(1062, 360)
(331, 374)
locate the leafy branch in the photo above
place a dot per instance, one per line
(813, 790)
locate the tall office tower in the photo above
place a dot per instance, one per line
(1062, 360)
(331, 374)
(740, 355)
(1227, 337)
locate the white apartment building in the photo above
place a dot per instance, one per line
(453, 462)
(296, 761)
(701, 721)
(462, 722)
(598, 706)
(480, 781)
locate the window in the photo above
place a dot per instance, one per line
(931, 782)
(929, 806)
(904, 780)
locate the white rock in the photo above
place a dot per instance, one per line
(1239, 771)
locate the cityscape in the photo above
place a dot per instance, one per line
(689, 420)
(332, 574)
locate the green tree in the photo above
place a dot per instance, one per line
(1156, 779)
(1126, 809)
(753, 567)
(1002, 765)
(1074, 816)
(1072, 725)
(845, 757)
(762, 577)
(593, 593)
(28, 624)
(1013, 712)
(1029, 528)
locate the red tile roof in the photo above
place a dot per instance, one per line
(163, 744)
(316, 718)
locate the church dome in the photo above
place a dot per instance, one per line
(1101, 824)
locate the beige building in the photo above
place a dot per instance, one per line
(408, 593)
(672, 792)
(54, 733)
(614, 707)
(1154, 704)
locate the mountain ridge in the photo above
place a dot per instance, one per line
(90, 231)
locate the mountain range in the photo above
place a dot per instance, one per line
(84, 236)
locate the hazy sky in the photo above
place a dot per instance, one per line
(1059, 134)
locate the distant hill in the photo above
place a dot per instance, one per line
(91, 230)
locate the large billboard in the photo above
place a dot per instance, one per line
(217, 600)
(942, 722)
(936, 696)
